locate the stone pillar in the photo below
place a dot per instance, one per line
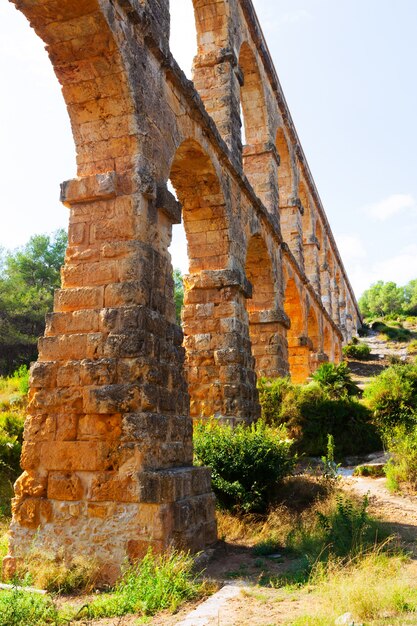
(218, 78)
(335, 301)
(221, 377)
(299, 349)
(260, 164)
(312, 263)
(326, 296)
(107, 455)
(292, 229)
(268, 333)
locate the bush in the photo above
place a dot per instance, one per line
(247, 462)
(336, 380)
(402, 467)
(18, 608)
(345, 529)
(392, 332)
(392, 396)
(156, 583)
(310, 415)
(412, 347)
(360, 351)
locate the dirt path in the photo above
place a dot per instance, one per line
(399, 512)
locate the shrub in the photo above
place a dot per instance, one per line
(336, 380)
(156, 583)
(402, 467)
(247, 462)
(412, 347)
(310, 415)
(392, 396)
(11, 433)
(345, 529)
(360, 351)
(392, 332)
(18, 608)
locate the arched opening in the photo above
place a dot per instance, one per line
(298, 343)
(306, 218)
(198, 190)
(183, 20)
(252, 99)
(313, 332)
(285, 171)
(35, 139)
(328, 343)
(267, 333)
(313, 329)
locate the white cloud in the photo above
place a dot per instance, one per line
(400, 268)
(390, 206)
(351, 247)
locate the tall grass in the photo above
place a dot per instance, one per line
(374, 588)
(18, 608)
(153, 584)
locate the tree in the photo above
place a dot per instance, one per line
(382, 299)
(28, 278)
(411, 297)
(178, 294)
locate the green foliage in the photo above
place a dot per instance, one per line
(330, 467)
(178, 294)
(247, 462)
(411, 297)
(392, 331)
(310, 413)
(151, 585)
(18, 608)
(412, 347)
(360, 351)
(392, 396)
(28, 278)
(402, 467)
(345, 530)
(336, 380)
(382, 299)
(387, 299)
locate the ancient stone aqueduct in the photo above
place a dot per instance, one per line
(107, 458)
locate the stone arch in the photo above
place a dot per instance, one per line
(266, 323)
(314, 337)
(290, 208)
(285, 171)
(255, 117)
(306, 207)
(219, 364)
(313, 329)
(88, 64)
(298, 343)
(203, 207)
(327, 342)
(111, 360)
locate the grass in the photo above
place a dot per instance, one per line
(19, 608)
(154, 584)
(157, 583)
(375, 588)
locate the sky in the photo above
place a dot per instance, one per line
(348, 71)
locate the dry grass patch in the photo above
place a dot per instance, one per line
(375, 588)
